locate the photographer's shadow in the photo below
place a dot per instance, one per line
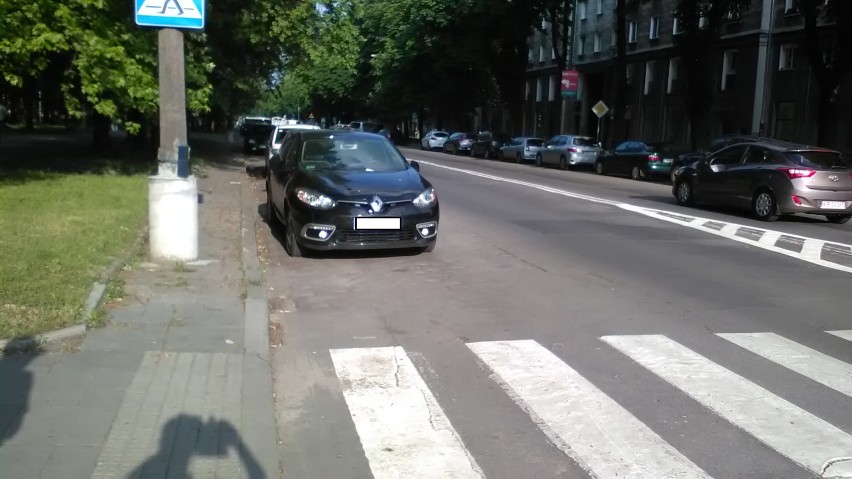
(186, 436)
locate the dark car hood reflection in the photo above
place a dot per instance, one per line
(361, 185)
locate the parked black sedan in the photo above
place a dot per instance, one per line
(335, 190)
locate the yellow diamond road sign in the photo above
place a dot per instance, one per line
(600, 109)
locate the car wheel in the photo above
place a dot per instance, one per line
(599, 167)
(637, 174)
(500, 156)
(538, 160)
(563, 163)
(838, 219)
(685, 194)
(763, 206)
(290, 244)
(519, 159)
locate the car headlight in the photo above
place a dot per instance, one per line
(314, 199)
(427, 198)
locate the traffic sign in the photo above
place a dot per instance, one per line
(570, 82)
(187, 14)
(600, 109)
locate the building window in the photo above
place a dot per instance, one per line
(528, 89)
(654, 32)
(733, 14)
(628, 72)
(702, 21)
(538, 90)
(649, 76)
(729, 70)
(581, 9)
(597, 42)
(674, 71)
(632, 32)
(612, 38)
(790, 7)
(786, 62)
(551, 92)
(531, 55)
(581, 46)
(599, 10)
(541, 53)
(676, 28)
(785, 121)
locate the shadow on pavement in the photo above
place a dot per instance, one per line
(186, 436)
(16, 382)
(736, 213)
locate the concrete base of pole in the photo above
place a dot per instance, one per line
(173, 218)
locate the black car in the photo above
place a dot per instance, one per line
(335, 190)
(487, 144)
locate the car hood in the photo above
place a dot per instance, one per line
(363, 185)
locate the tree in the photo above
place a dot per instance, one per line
(828, 31)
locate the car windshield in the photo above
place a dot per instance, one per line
(350, 154)
(819, 160)
(585, 142)
(440, 134)
(535, 142)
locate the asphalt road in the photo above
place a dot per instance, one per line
(556, 332)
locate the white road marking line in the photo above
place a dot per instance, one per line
(402, 428)
(586, 424)
(812, 249)
(845, 334)
(728, 231)
(804, 438)
(808, 362)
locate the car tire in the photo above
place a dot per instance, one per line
(838, 219)
(519, 159)
(290, 243)
(764, 206)
(599, 168)
(637, 174)
(563, 163)
(500, 156)
(538, 160)
(685, 193)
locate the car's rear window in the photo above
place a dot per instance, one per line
(535, 142)
(440, 134)
(585, 142)
(819, 160)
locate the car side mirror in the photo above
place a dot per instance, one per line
(415, 165)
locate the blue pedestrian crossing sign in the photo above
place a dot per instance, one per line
(187, 14)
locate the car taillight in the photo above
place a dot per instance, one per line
(571, 150)
(797, 200)
(794, 173)
(653, 157)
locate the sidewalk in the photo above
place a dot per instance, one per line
(178, 383)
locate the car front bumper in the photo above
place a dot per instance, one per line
(339, 225)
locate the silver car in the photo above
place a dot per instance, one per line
(568, 151)
(520, 149)
(771, 178)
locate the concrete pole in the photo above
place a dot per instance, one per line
(172, 199)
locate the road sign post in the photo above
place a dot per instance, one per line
(173, 191)
(600, 109)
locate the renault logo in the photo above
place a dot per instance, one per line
(377, 204)
(834, 178)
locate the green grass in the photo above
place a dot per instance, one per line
(58, 232)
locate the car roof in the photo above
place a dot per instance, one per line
(786, 146)
(323, 133)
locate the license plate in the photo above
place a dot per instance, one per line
(667, 161)
(832, 205)
(377, 223)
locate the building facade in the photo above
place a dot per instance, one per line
(763, 83)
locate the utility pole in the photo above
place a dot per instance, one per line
(173, 191)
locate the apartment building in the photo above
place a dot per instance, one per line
(763, 80)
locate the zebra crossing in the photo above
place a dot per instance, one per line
(405, 433)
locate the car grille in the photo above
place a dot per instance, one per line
(368, 236)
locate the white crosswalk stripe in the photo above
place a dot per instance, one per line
(802, 437)
(402, 428)
(585, 423)
(808, 362)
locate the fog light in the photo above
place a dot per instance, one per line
(424, 231)
(797, 200)
(323, 234)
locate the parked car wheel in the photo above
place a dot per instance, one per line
(838, 219)
(519, 159)
(538, 161)
(637, 174)
(290, 244)
(763, 205)
(599, 167)
(685, 195)
(563, 163)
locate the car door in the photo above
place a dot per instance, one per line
(282, 168)
(741, 177)
(554, 149)
(511, 150)
(714, 175)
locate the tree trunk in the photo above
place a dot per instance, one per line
(100, 130)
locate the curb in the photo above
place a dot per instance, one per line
(93, 301)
